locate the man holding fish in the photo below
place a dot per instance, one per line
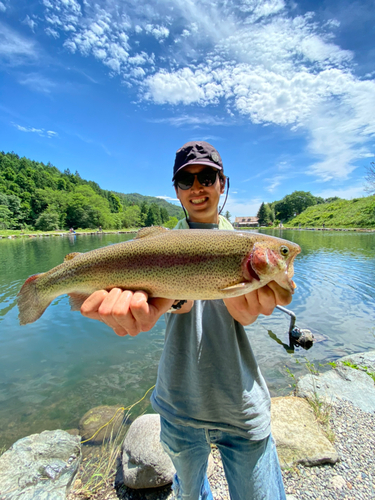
(209, 388)
(211, 281)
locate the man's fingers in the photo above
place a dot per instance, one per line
(114, 311)
(146, 313)
(91, 305)
(267, 300)
(124, 311)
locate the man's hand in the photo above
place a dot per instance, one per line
(126, 312)
(246, 308)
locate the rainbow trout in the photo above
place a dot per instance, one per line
(179, 264)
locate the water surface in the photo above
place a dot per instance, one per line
(54, 370)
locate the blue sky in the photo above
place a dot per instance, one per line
(285, 90)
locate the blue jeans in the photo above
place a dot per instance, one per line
(251, 467)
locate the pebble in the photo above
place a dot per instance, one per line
(352, 478)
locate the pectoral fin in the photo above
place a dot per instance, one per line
(237, 286)
(76, 300)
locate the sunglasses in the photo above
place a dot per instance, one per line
(206, 178)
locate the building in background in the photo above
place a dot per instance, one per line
(247, 221)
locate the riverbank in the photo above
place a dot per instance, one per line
(351, 478)
(39, 234)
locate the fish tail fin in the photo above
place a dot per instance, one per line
(31, 304)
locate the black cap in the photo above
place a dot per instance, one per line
(197, 153)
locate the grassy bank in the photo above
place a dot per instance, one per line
(356, 213)
(13, 233)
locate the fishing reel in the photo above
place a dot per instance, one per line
(301, 337)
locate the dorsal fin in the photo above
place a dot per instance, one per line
(148, 232)
(71, 256)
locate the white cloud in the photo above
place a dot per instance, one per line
(39, 131)
(196, 121)
(38, 82)
(2, 7)
(274, 182)
(168, 198)
(159, 32)
(16, 49)
(356, 191)
(52, 32)
(30, 22)
(241, 207)
(254, 57)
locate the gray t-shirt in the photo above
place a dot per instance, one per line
(208, 376)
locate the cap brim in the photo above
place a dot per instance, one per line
(198, 162)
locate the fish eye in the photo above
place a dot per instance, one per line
(284, 250)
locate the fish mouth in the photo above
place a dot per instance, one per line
(252, 273)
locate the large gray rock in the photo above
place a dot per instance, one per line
(145, 463)
(344, 382)
(40, 466)
(299, 438)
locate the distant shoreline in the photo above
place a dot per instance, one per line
(134, 231)
(355, 229)
(65, 233)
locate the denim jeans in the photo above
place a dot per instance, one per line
(251, 467)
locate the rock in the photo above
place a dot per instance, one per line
(97, 417)
(73, 432)
(344, 382)
(338, 482)
(40, 466)
(362, 359)
(145, 463)
(299, 438)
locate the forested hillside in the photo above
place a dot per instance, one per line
(38, 196)
(301, 208)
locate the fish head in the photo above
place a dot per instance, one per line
(272, 261)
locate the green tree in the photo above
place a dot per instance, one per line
(144, 212)
(114, 203)
(171, 223)
(293, 204)
(228, 215)
(5, 217)
(153, 216)
(164, 215)
(131, 216)
(86, 209)
(48, 221)
(264, 215)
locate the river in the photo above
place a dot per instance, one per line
(54, 370)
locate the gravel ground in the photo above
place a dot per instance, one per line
(352, 478)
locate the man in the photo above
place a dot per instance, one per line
(209, 388)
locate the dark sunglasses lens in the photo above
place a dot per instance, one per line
(206, 178)
(185, 181)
